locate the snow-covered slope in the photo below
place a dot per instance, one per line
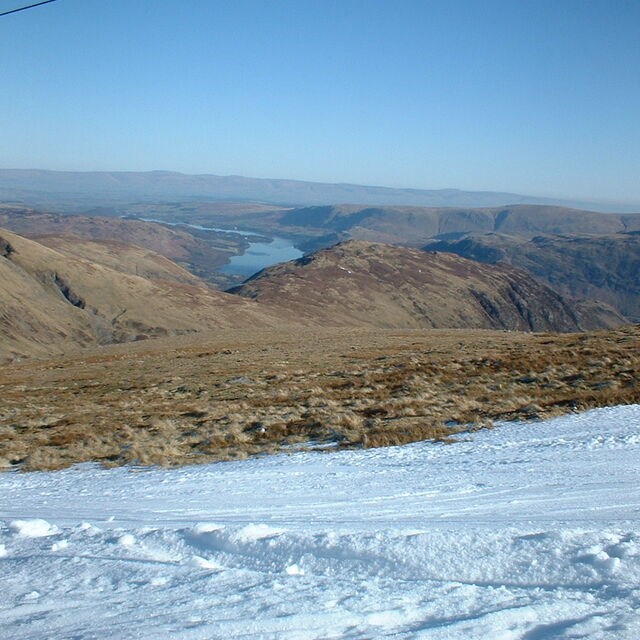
(529, 531)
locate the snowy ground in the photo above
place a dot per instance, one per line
(529, 531)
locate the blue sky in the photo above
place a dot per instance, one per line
(529, 96)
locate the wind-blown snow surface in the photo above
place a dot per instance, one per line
(528, 531)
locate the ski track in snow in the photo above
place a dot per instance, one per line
(528, 531)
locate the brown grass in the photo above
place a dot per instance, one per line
(196, 399)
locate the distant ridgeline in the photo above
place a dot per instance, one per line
(91, 188)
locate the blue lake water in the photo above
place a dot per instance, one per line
(258, 256)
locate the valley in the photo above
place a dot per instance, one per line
(262, 251)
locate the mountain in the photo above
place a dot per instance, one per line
(53, 302)
(75, 188)
(598, 267)
(414, 226)
(375, 285)
(201, 255)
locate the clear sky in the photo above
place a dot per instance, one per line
(540, 97)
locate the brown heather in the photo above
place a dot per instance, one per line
(234, 394)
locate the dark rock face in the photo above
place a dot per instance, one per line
(5, 248)
(371, 284)
(71, 297)
(602, 268)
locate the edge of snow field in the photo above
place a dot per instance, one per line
(529, 531)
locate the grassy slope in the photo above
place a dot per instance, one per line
(202, 256)
(199, 398)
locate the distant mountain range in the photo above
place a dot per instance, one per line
(75, 190)
(414, 226)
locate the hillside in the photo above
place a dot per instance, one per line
(120, 256)
(52, 302)
(599, 267)
(201, 255)
(369, 284)
(65, 292)
(204, 252)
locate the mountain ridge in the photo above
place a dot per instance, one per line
(57, 298)
(40, 186)
(413, 225)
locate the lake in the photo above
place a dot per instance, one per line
(258, 256)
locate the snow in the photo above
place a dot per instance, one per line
(34, 528)
(530, 531)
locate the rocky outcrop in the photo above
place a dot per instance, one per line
(5, 248)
